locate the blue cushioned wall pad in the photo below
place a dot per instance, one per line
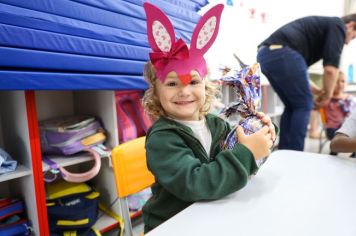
(83, 24)
(39, 80)
(134, 8)
(76, 13)
(24, 58)
(86, 30)
(81, 44)
(42, 40)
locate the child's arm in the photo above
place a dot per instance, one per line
(181, 172)
(330, 76)
(343, 143)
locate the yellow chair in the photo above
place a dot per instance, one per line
(131, 174)
(323, 119)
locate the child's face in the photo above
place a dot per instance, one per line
(179, 101)
(340, 84)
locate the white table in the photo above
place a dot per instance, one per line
(294, 193)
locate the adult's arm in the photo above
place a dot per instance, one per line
(329, 81)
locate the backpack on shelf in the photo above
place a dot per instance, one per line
(12, 217)
(70, 135)
(73, 209)
(132, 120)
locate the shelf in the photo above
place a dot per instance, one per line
(105, 223)
(135, 214)
(20, 171)
(67, 161)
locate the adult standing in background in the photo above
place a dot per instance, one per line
(285, 57)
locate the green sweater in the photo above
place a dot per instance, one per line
(185, 173)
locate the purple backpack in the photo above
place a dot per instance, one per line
(70, 135)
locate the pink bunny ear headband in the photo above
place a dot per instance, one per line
(170, 55)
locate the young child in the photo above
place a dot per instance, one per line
(345, 138)
(183, 147)
(338, 108)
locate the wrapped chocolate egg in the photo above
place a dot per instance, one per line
(247, 88)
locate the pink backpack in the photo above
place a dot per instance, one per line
(132, 121)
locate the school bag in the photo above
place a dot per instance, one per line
(132, 120)
(70, 135)
(72, 208)
(12, 217)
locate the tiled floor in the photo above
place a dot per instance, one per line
(312, 145)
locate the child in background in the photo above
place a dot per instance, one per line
(338, 107)
(183, 147)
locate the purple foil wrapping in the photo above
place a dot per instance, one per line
(247, 87)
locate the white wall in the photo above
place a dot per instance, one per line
(240, 34)
(349, 55)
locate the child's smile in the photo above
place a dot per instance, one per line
(183, 102)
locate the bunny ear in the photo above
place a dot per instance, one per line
(160, 30)
(206, 31)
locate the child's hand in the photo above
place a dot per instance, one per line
(267, 121)
(258, 143)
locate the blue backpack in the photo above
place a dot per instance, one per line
(12, 218)
(71, 207)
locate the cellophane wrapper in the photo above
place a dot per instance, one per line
(247, 88)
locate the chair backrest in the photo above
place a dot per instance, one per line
(130, 168)
(323, 116)
(323, 119)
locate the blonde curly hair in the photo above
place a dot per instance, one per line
(150, 100)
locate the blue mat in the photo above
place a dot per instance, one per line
(39, 80)
(77, 14)
(81, 44)
(39, 60)
(55, 42)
